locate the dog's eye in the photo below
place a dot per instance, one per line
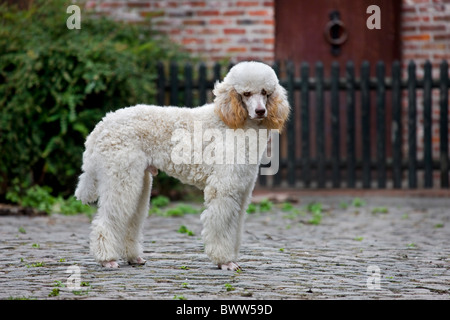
(263, 92)
(247, 94)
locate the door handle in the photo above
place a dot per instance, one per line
(335, 32)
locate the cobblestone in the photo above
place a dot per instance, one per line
(282, 254)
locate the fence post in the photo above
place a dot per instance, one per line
(365, 120)
(381, 125)
(173, 83)
(202, 83)
(305, 120)
(278, 176)
(396, 125)
(443, 102)
(335, 126)
(412, 127)
(320, 133)
(161, 84)
(351, 152)
(188, 85)
(216, 72)
(428, 155)
(291, 167)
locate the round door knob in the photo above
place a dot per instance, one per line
(342, 32)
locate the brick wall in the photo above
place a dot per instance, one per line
(425, 32)
(245, 29)
(212, 29)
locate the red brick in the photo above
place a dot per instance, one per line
(408, 9)
(112, 5)
(247, 3)
(187, 41)
(441, 56)
(172, 4)
(208, 13)
(262, 31)
(259, 13)
(414, 56)
(175, 32)
(220, 40)
(151, 14)
(236, 49)
(234, 31)
(432, 28)
(442, 18)
(206, 31)
(197, 3)
(194, 22)
(261, 49)
(417, 37)
(138, 5)
(233, 13)
(219, 21)
(438, 46)
(406, 19)
(442, 37)
(408, 29)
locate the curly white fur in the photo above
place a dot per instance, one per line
(128, 146)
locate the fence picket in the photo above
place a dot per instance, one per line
(277, 177)
(396, 125)
(428, 156)
(161, 84)
(335, 126)
(381, 126)
(202, 83)
(351, 152)
(291, 175)
(365, 120)
(305, 130)
(412, 126)
(320, 130)
(188, 98)
(173, 83)
(443, 124)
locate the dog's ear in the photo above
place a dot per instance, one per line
(278, 109)
(229, 106)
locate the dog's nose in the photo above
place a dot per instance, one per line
(260, 112)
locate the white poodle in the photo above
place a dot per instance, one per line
(128, 147)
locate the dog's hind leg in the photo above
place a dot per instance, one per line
(133, 238)
(106, 238)
(120, 195)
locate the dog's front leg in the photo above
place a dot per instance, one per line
(221, 228)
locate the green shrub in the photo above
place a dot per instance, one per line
(56, 84)
(41, 199)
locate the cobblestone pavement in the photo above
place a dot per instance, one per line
(352, 253)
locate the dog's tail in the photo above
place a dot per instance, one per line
(86, 190)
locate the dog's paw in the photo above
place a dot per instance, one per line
(137, 260)
(233, 266)
(110, 264)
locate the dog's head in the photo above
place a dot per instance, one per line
(251, 90)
